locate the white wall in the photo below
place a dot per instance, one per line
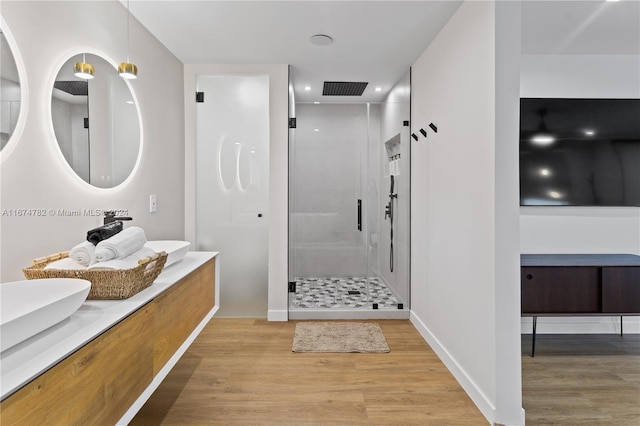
(10, 96)
(34, 175)
(462, 255)
(580, 76)
(372, 213)
(508, 357)
(72, 137)
(580, 229)
(396, 110)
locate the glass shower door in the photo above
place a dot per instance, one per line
(232, 187)
(328, 227)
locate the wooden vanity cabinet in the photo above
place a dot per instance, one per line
(100, 381)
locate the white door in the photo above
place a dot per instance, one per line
(232, 187)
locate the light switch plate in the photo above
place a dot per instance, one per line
(153, 203)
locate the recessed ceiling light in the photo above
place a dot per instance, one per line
(321, 40)
(545, 172)
(307, 88)
(589, 132)
(555, 194)
(316, 130)
(317, 103)
(378, 89)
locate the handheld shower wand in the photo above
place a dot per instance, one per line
(389, 214)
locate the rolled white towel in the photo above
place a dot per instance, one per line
(121, 245)
(83, 253)
(66, 263)
(127, 262)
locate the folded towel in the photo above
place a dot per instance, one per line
(66, 263)
(127, 262)
(121, 245)
(83, 253)
(103, 232)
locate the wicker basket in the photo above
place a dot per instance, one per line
(107, 284)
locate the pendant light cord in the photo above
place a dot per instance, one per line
(128, 36)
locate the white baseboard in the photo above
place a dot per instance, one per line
(581, 325)
(277, 315)
(521, 420)
(475, 393)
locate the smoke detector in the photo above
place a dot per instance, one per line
(321, 40)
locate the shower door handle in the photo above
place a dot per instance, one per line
(359, 215)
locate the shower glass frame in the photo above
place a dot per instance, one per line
(328, 206)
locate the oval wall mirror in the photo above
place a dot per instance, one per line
(10, 91)
(96, 122)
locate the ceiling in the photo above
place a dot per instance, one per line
(373, 41)
(593, 27)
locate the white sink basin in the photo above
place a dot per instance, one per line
(175, 249)
(31, 306)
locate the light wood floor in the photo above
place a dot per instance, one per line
(582, 380)
(242, 372)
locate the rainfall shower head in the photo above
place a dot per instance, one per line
(76, 88)
(343, 88)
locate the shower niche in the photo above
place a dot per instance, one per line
(346, 258)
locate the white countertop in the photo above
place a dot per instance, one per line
(29, 359)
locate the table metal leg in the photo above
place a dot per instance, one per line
(621, 325)
(533, 337)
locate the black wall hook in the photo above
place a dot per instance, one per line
(423, 132)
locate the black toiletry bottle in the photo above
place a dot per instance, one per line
(103, 232)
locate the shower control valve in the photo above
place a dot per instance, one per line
(387, 210)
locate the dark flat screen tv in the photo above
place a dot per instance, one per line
(579, 152)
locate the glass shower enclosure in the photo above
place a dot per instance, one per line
(338, 193)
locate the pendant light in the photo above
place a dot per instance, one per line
(542, 135)
(127, 69)
(83, 69)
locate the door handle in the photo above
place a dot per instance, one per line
(359, 215)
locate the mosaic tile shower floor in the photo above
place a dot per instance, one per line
(341, 293)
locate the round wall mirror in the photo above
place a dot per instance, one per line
(10, 93)
(96, 122)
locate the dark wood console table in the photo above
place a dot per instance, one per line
(579, 285)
